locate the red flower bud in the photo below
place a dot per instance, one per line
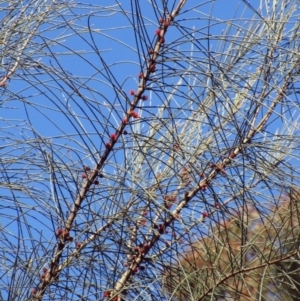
(134, 114)
(59, 232)
(87, 168)
(232, 155)
(84, 175)
(153, 68)
(113, 137)
(106, 294)
(141, 75)
(204, 214)
(157, 32)
(143, 222)
(131, 92)
(144, 97)
(136, 269)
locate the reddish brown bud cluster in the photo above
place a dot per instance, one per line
(33, 291)
(107, 144)
(144, 97)
(185, 176)
(78, 245)
(232, 155)
(157, 32)
(169, 200)
(176, 147)
(204, 214)
(141, 75)
(152, 68)
(59, 232)
(168, 205)
(131, 92)
(143, 222)
(166, 23)
(64, 234)
(87, 168)
(133, 114)
(136, 269)
(84, 176)
(143, 249)
(220, 168)
(107, 294)
(113, 137)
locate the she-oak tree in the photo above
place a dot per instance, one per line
(149, 150)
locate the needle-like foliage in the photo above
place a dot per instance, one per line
(149, 150)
